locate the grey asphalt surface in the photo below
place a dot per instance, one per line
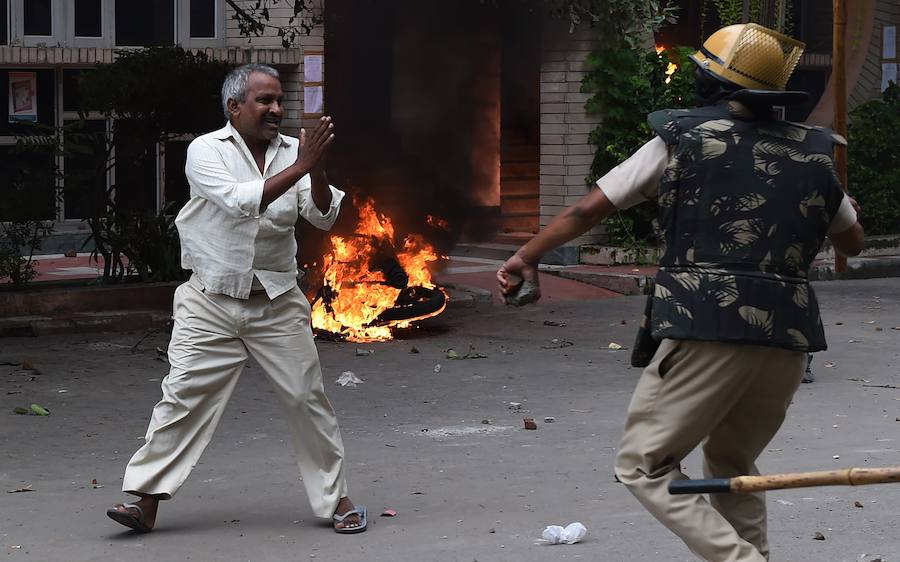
(416, 442)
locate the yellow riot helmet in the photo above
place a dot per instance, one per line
(750, 56)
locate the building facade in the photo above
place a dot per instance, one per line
(46, 44)
(429, 100)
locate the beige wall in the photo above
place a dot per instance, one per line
(292, 69)
(566, 154)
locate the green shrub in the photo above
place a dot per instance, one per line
(627, 85)
(182, 97)
(24, 226)
(874, 162)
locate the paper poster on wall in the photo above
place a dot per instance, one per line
(888, 74)
(22, 96)
(889, 42)
(313, 100)
(312, 68)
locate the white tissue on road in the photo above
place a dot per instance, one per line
(348, 378)
(571, 534)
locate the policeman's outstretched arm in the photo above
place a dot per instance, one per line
(571, 223)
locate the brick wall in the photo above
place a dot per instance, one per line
(291, 70)
(278, 16)
(566, 154)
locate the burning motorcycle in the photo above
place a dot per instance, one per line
(370, 286)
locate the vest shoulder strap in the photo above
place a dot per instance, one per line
(670, 124)
(665, 124)
(821, 135)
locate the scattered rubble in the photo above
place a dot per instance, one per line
(557, 343)
(472, 354)
(34, 410)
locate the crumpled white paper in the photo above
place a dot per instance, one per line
(571, 534)
(349, 378)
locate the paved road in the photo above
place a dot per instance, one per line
(464, 490)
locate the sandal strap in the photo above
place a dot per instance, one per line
(339, 518)
(134, 506)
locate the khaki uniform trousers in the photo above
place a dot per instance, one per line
(211, 340)
(733, 396)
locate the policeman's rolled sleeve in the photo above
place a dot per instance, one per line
(636, 179)
(844, 218)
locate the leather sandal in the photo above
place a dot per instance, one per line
(127, 519)
(359, 510)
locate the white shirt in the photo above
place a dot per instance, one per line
(637, 180)
(225, 240)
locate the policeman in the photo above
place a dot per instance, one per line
(745, 203)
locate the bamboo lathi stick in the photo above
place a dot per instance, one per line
(751, 484)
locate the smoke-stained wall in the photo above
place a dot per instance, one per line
(446, 85)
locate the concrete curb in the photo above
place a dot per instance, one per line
(105, 321)
(465, 296)
(859, 268)
(65, 300)
(624, 283)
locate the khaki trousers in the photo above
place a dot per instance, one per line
(735, 397)
(211, 340)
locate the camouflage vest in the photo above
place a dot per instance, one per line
(745, 207)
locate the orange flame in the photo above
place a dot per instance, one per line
(670, 70)
(358, 293)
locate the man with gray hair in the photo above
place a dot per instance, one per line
(249, 184)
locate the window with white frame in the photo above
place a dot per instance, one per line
(202, 19)
(30, 166)
(201, 23)
(88, 18)
(145, 24)
(4, 22)
(89, 23)
(38, 22)
(112, 23)
(56, 23)
(37, 18)
(85, 160)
